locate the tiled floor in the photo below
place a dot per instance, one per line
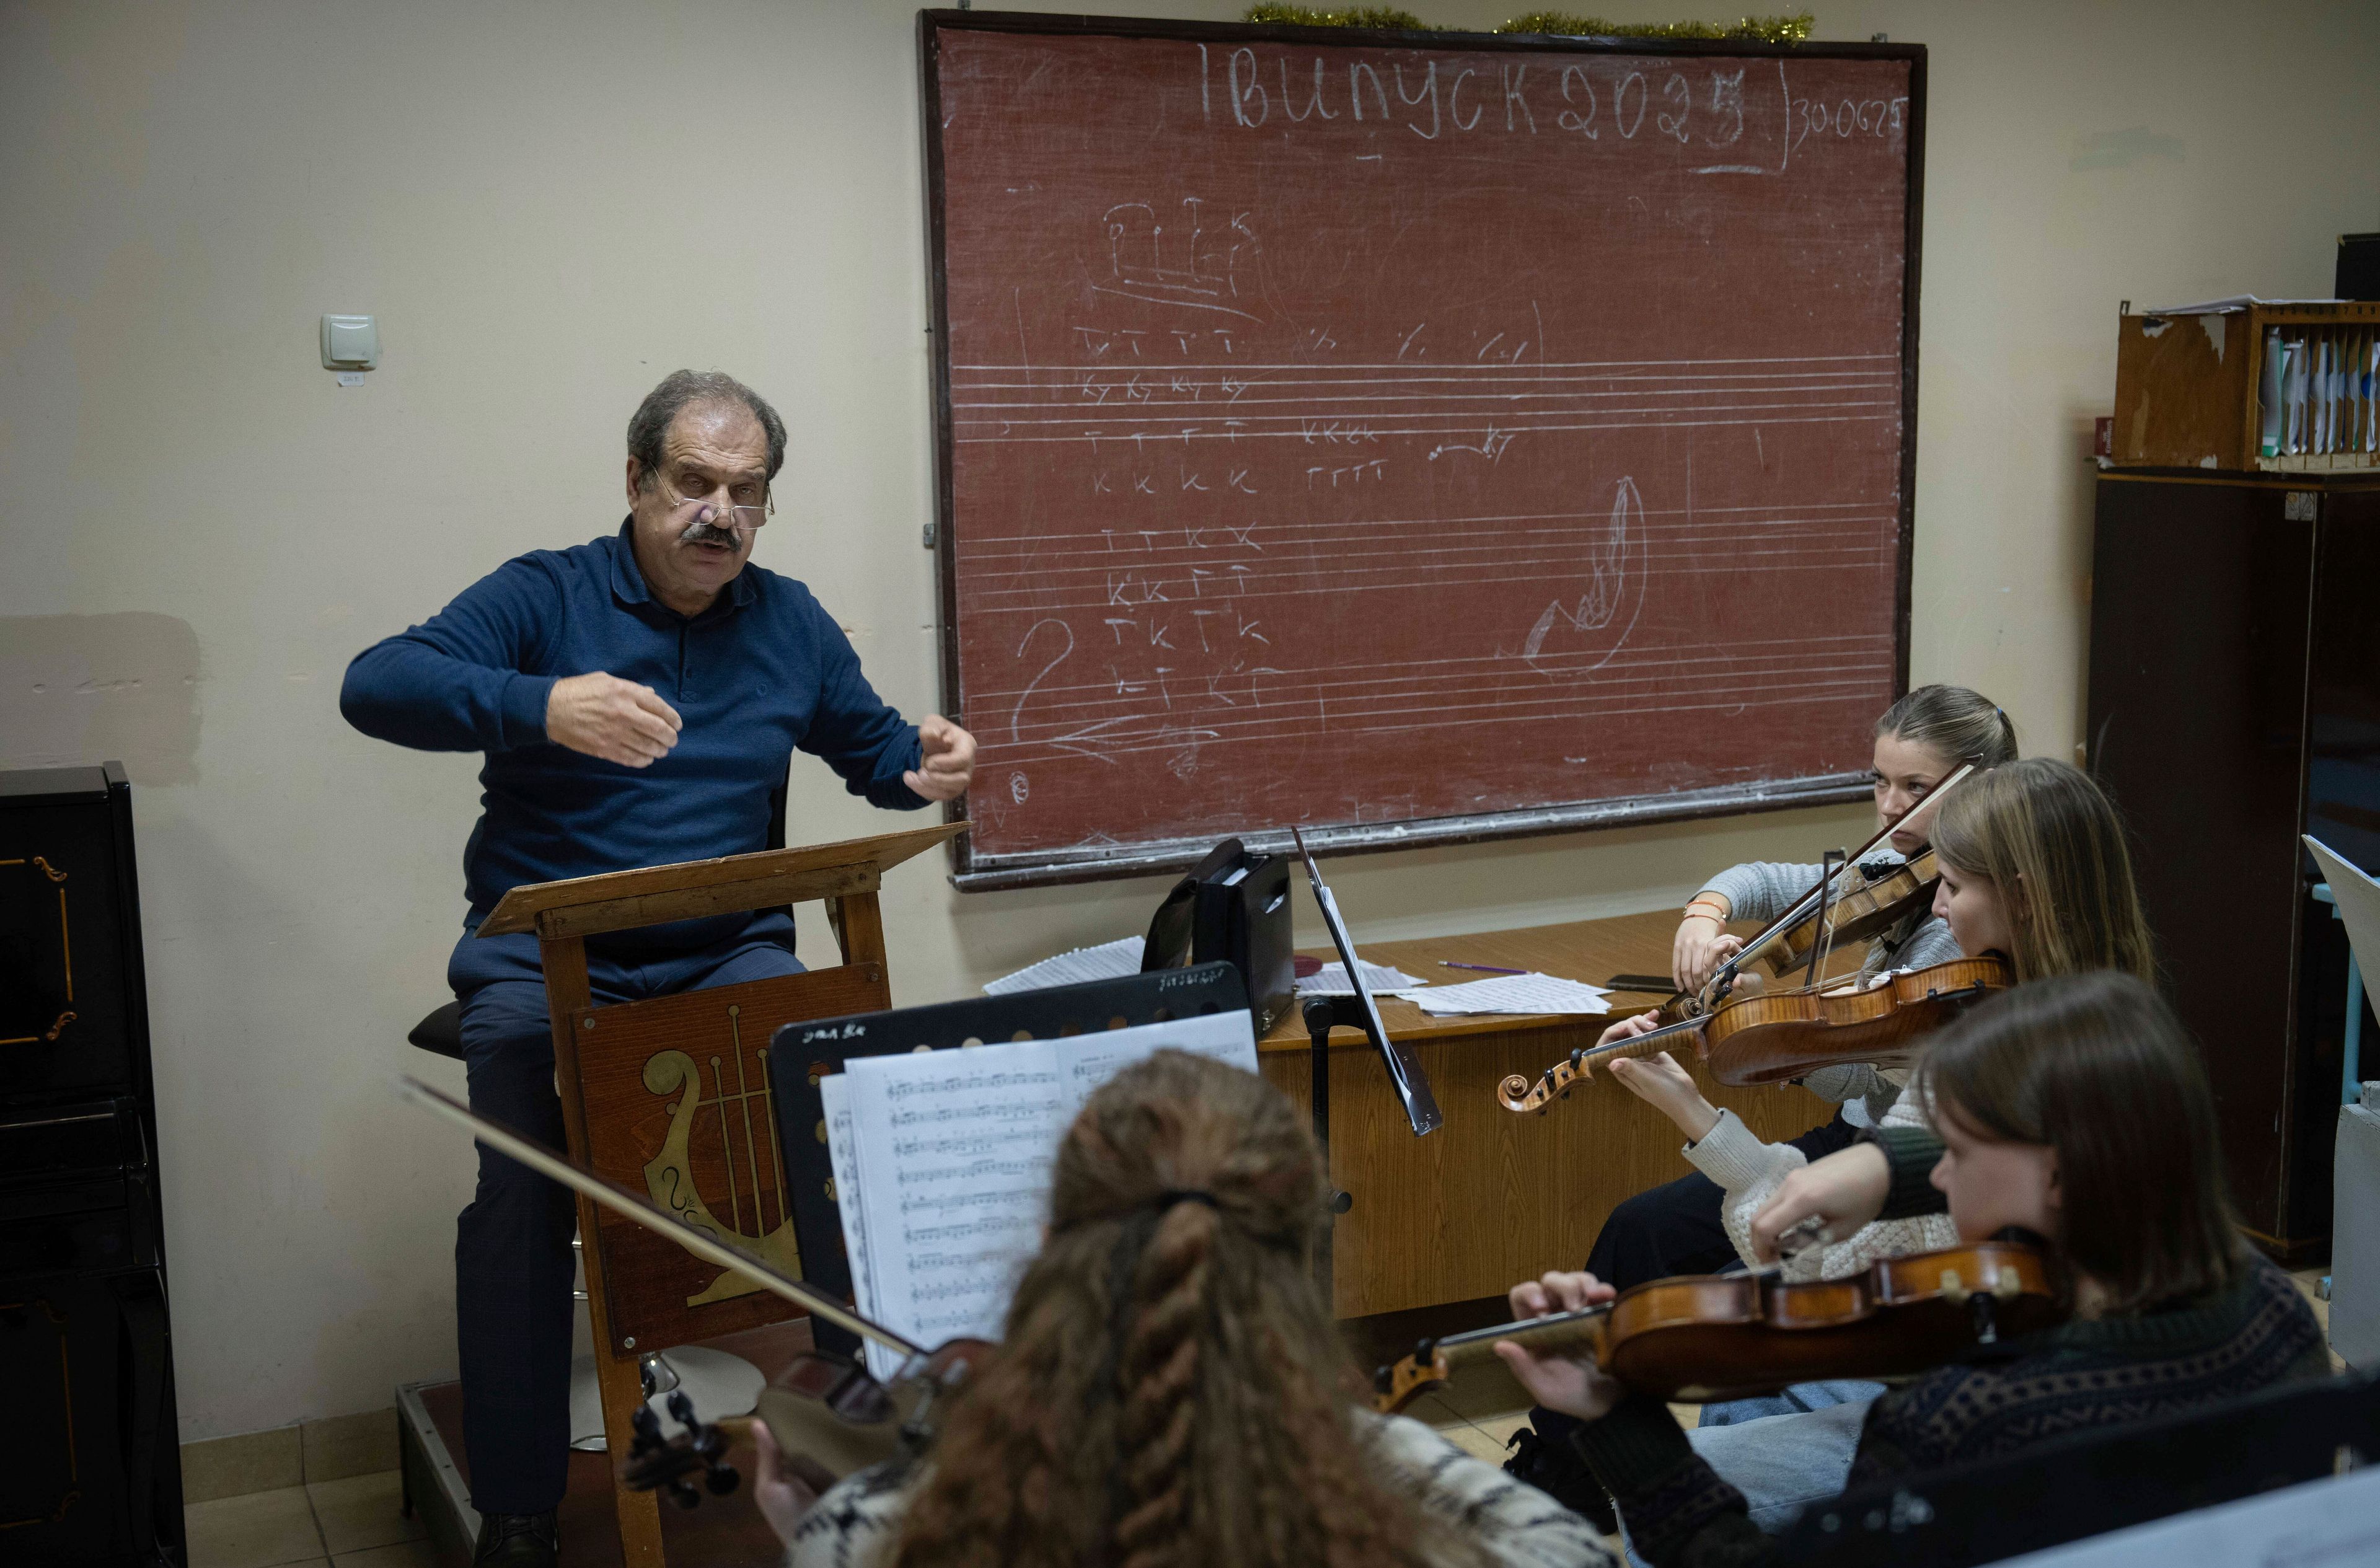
(350, 1523)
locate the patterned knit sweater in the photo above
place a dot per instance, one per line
(2257, 1332)
(855, 1524)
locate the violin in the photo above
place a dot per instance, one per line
(1818, 1025)
(827, 1408)
(1772, 1036)
(1730, 1336)
(1873, 896)
(1854, 899)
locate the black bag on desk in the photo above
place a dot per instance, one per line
(1234, 908)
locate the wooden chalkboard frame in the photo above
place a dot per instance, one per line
(973, 872)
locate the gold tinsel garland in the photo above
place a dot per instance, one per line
(1765, 29)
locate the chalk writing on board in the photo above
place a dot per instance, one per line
(1691, 105)
(1346, 435)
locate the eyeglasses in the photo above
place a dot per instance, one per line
(742, 519)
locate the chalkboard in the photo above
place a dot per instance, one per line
(1413, 437)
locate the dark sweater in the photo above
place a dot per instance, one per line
(1996, 1400)
(762, 673)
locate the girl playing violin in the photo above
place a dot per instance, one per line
(2072, 1112)
(1921, 739)
(2034, 868)
(1171, 1388)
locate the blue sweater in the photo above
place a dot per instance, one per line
(765, 670)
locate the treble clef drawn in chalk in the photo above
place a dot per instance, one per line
(1614, 596)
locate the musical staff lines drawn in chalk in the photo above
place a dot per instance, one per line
(1292, 714)
(1325, 404)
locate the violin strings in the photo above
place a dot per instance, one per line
(1439, 1397)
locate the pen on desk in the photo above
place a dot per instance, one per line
(1483, 968)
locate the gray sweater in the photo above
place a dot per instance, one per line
(1762, 890)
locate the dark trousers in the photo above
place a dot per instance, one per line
(1675, 1229)
(513, 1266)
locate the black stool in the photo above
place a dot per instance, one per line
(440, 1033)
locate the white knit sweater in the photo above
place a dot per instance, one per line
(1750, 1170)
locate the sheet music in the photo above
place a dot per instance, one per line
(1532, 992)
(1380, 979)
(834, 1095)
(1108, 961)
(1090, 1061)
(953, 1149)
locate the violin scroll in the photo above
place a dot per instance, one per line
(668, 1463)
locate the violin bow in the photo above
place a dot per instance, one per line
(1516, 1092)
(1724, 980)
(652, 1216)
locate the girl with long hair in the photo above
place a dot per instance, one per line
(1171, 1388)
(1676, 1228)
(2071, 1111)
(2034, 868)
(1683, 1226)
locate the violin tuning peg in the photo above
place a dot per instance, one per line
(1954, 1289)
(2006, 1286)
(722, 1478)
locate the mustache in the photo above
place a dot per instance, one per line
(710, 533)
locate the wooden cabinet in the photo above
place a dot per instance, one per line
(2235, 703)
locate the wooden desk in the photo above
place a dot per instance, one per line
(1492, 1197)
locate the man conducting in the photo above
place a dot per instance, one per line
(638, 699)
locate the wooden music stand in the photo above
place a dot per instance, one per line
(616, 1066)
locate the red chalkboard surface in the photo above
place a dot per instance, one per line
(1412, 437)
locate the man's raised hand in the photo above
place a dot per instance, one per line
(605, 716)
(946, 761)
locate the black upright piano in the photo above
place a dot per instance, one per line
(89, 1464)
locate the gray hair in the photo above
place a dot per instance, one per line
(681, 390)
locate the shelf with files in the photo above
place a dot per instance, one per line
(2250, 386)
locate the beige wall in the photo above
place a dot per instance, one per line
(548, 206)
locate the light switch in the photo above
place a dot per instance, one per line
(350, 343)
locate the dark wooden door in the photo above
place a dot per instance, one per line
(2199, 642)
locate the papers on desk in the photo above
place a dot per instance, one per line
(1531, 993)
(1381, 979)
(1109, 960)
(941, 1163)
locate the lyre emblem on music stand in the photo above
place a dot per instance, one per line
(743, 1138)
